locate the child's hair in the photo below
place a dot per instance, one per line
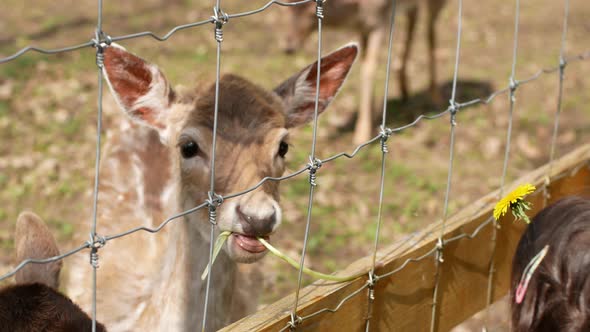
(558, 295)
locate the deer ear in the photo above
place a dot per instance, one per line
(139, 87)
(34, 240)
(299, 91)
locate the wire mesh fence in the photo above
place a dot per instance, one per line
(101, 40)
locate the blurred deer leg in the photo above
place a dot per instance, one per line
(434, 8)
(403, 79)
(364, 126)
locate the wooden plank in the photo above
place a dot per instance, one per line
(403, 301)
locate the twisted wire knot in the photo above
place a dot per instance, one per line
(439, 250)
(294, 322)
(96, 242)
(100, 58)
(101, 41)
(319, 9)
(371, 281)
(562, 62)
(371, 286)
(212, 215)
(385, 133)
(547, 183)
(94, 258)
(214, 201)
(313, 166)
(453, 108)
(513, 84)
(219, 18)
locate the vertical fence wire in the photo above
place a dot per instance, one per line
(453, 108)
(219, 19)
(385, 133)
(313, 164)
(93, 251)
(562, 64)
(513, 85)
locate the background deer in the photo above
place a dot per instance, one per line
(368, 17)
(158, 165)
(33, 303)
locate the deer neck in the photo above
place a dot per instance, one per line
(179, 292)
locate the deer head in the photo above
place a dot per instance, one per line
(300, 23)
(33, 303)
(252, 136)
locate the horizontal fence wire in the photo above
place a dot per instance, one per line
(463, 106)
(165, 37)
(102, 40)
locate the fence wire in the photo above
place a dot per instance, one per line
(453, 122)
(385, 134)
(513, 85)
(314, 164)
(102, 40)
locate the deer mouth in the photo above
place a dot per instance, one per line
(249, 243)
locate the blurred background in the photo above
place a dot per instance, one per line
(48, 114)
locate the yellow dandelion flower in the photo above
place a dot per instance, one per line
(515, 202)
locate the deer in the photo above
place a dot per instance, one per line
(156, 162)
(33, 302)
(369, 19)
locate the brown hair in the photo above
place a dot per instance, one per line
(558, 294)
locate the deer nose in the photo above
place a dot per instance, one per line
(256, 226)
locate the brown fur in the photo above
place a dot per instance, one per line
(34, 304)
(33, 240)
(38, 307)
(152, 281)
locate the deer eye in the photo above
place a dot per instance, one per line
(189, 149)
(283, 149)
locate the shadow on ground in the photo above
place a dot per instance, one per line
(400, 112)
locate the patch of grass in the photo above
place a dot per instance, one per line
(52, 22)
(412, 205)
(371, 160)
(72, 127)
(296, 188)
(7, 243)
(65, 189)
(369, 231)
(19, 191)
(397, 170)
(3, 179)
(20, 68)
(66, 230)
(424, 183)
(325, 238)
(4, 108)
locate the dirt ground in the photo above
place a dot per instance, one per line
(48, 115)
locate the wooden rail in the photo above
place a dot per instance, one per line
(403, 301)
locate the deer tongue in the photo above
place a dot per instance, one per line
(249, 243)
